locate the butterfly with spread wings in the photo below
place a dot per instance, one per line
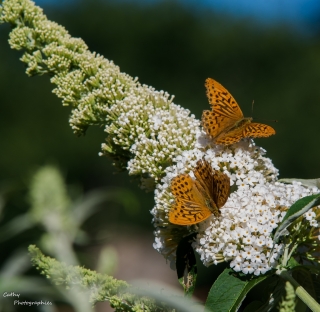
(225, 123)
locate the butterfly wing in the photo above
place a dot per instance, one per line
(248, 130)
(220, 188)
(204, 175)
(230, 137)
(215, 183)
(225, 110)
(190, 206)
(222, 101)
(257, 130)
(214, 124)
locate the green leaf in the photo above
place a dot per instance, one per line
(254, 306)
(311, 268)
(314, 269)
(16, 226)
(264, 295)
(276, 291)
(186, 265)
(304, 182)
(229, 290)
(293, 263)
(295, 211)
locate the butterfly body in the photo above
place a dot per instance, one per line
(225, 123)
(196, 200)
(242, 122)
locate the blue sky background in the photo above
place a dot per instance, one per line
(300, 14)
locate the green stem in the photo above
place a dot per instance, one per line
(291, 252)
(301, 292)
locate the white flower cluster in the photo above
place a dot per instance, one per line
(152, 128)
(242, 234)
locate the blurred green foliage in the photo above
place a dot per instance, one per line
(173, 48)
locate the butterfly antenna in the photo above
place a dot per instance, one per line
(274, 120)
(252, 107)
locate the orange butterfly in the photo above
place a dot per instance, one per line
(196, 200)
(225, 123)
